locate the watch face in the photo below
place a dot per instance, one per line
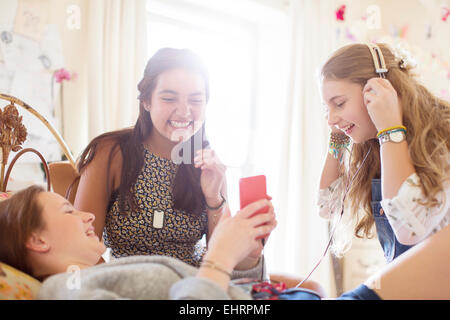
(396, 136)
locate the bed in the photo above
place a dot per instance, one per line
(14, 284)
(62, 178)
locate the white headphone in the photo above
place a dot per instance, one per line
(378, 60)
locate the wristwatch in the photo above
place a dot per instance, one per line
(394, 136)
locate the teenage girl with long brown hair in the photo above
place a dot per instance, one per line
(144, 199)
(397, 134)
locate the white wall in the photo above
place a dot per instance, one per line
(75, 106)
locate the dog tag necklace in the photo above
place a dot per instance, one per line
(158, 219)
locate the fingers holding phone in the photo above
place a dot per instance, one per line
(235, 237)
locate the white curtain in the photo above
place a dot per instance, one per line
(301, 235)
(116, 61)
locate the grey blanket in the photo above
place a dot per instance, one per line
(141, 277)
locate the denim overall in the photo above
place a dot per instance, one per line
(391, 247)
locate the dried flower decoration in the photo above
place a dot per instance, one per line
(13, 132)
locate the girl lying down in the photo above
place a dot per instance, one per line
(43, 235)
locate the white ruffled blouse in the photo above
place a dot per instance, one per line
(411, 221)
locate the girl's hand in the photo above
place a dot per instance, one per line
(235, 238)
(253, 258)
(212, 178)
(382, 103)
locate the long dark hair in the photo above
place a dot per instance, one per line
(186, 191)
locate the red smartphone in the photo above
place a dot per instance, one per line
(252, 189)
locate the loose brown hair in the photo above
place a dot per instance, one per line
(426, 117)
(186, 191)
(20, 215)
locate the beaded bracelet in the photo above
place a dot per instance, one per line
(392, 129)
(210, 264)
(337, 142)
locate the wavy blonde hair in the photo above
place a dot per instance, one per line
(426, 117)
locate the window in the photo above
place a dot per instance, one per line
(244, 46)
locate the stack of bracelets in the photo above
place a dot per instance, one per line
(340, 141)
(337, 142)
(391, 130)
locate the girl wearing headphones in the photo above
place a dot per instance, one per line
(397, 134)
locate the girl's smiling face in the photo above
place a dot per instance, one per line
(69, 233)
(178, 103)
(346, 110)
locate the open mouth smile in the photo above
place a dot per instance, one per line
(180, 124)
(348, 129)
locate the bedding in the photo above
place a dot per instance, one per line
(16, 285)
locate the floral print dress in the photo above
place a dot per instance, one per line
(155, 228)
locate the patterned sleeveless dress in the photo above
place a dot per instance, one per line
(135, 233)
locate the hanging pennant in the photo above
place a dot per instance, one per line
(340, 13)
(445, 13)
